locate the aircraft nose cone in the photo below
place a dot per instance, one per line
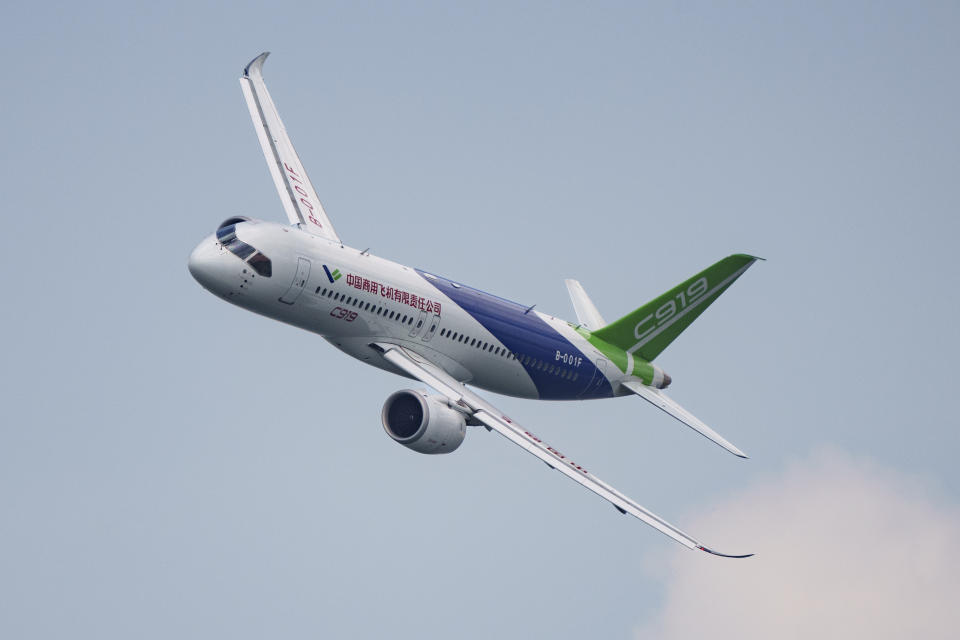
(208, 266)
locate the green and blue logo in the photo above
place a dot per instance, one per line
(334, 276)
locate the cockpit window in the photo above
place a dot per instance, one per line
(227, 235)
(261, 264)
(241, 250)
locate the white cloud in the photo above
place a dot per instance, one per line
(845, 549)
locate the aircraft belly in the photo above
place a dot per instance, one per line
(497, 374)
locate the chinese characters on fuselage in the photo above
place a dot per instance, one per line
(390, 293)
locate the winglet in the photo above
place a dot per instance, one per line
(256, 64)
(724, 555)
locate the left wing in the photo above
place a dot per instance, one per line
(488, 415)
(299, 198)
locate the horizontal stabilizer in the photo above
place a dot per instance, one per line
(587, 313)
(662, 401)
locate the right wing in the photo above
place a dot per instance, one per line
(299, 198)
(483, 412)
(665, 403)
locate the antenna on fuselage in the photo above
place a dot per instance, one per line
(365, 251)
(530, 308)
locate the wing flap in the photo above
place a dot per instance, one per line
(666, 404)
(488, 415)
(299, 198)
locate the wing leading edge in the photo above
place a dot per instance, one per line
(299, 198)
(488, 415)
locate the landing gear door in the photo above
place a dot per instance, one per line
(434, 321)
(418, 325)
(299, 281)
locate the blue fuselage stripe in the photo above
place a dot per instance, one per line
(525, 333)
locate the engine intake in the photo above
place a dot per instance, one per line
(423, 422)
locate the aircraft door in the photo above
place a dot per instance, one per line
(299, 281)
(418, 325)
(434, 324)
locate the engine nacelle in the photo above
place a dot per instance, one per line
(423, 422)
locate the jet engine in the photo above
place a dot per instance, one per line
(423, 422)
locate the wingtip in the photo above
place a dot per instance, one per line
(256, 64)
(726, 445)
(724, 555)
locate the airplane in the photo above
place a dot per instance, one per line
(441, 332)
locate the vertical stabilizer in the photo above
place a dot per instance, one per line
(649, 330)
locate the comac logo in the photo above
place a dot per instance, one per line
(334, 276)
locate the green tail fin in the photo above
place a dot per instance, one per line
(651, 328)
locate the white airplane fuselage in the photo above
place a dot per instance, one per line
(443, 333)
(354, 299)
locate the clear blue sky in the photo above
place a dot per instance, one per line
(172, 466)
